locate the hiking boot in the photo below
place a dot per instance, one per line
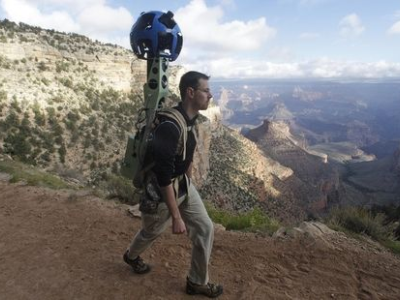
(137, 264)
(210, 290)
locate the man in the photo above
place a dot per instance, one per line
(180, 199)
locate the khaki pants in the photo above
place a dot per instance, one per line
(199, 227)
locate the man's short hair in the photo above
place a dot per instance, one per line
(190, 79)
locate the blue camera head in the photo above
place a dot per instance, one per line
(155, 34)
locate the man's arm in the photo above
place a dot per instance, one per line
(189, 171)
(168, 194)
(166, 139)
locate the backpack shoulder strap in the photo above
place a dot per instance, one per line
(177, 116)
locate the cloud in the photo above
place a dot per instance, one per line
(69, 5)
(312, 2)
(351, 25)
(309, 36)
(100, 18)
(22, 11)
(395, 29)
(304, 2)
(280, 54)
(204, 30)
(90, 17)
(320, 68)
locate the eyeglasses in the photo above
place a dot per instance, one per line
(207, 91)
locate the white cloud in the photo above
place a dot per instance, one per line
(100, 18)
(204, 30)
(351, 25)
(280, 54)
(323, 68)
(395, 29)
(22, 11)
(90, 17)
(304, 2)
(312, 2)
(309, 36)
(70, 5)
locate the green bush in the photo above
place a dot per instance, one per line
(67, 82)
(32, 176)
(3, 95)
(120, 188)
(18, 146)
(394, 246)
(255, 220)
(42, 66)
(360, 220)
(62, 151)
(11, 121)
(62, 66)
(40, 118)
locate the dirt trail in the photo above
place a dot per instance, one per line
(62, 245)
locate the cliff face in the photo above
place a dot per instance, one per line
(361, 134)
(314, 183)
(67, 102)
(113, 65)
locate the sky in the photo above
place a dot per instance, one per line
(326, 39)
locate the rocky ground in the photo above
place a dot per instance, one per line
(69, 245)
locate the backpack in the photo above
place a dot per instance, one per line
(138, 160)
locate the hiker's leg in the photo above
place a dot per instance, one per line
(201, 232)
(152, 227)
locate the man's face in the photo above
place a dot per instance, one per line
(202, 95)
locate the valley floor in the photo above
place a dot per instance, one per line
(69, 245)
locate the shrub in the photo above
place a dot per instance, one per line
(394, 246)
(42, 66)
(62, 151)
(67, 82)
(250, 221)
(3, 95)
(360, 220)
(18, 145)
(15, 105)
(12, 120)
(32, 176)
(120, 188)
(45, 81)
(40, 118)
(46, 157)
(62, 66)
(73, 116)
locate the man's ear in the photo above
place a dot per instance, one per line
(190, 92)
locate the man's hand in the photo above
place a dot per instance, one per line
(178, 226)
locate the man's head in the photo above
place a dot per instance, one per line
(194, 89)
(191, 79)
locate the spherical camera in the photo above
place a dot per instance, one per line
(156, 34)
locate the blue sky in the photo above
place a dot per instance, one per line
(246, 39)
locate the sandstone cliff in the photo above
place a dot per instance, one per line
(112, 64)
(67, 102)
(314, 183)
